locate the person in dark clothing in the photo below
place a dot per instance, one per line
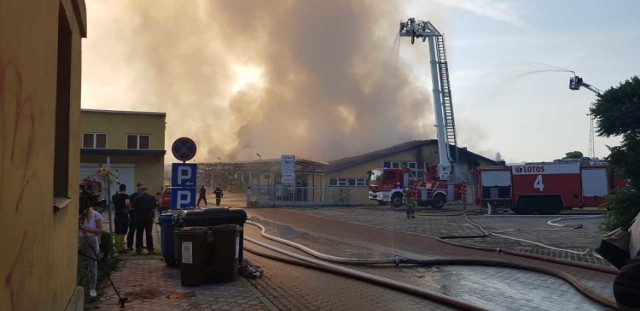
(122, 205)
(203, 196)
(626, 286)
(219, 194)
(144, 207)
(409, 203)
(132, 218)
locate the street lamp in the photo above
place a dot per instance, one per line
(219, 173)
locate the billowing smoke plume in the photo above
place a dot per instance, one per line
(319, 79)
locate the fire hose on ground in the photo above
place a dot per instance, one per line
(324, 266)
(552, 222)
(485, 234)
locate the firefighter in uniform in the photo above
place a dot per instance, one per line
(409, 203)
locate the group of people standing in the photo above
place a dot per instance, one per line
(134, 216)
(203, 195)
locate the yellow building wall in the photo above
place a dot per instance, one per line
(150, 174)
(149, 170)
(118, 125)
(39, 245)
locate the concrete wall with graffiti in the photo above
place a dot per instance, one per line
(38, 240)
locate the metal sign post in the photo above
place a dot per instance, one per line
(183, 176)
(288, 170)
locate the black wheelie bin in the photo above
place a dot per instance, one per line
(192, 247)
(227, 250)
(211, 217)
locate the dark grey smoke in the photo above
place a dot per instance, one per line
(333, 84)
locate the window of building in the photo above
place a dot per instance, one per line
(135, 141)
(94, 141)
(416, 173)
(409, 165)
(62, 112)
(347, 182)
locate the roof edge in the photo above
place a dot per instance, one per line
(150, 113)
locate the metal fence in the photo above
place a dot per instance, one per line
(292, 196)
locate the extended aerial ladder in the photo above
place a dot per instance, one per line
(575, 83)
(443, 104)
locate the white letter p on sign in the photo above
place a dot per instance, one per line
(184, 173)
(183, 198)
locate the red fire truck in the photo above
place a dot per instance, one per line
(543, 188)
(386, 185)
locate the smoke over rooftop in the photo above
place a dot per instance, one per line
(319, 79)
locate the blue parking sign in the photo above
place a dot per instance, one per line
(183, 198)
(184, 175)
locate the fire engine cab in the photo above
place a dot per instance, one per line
(542, 188)
(386, 185)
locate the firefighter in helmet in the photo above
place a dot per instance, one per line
(409, 203)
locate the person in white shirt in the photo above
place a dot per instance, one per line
(89, 245)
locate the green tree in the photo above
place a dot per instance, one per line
(573, 155)
(617, 112)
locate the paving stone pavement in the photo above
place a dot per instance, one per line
(488, 287)
(450, 221)
(296, 288)
(147, 283)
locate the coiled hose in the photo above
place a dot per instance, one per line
(423, 262)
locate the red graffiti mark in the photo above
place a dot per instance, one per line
(3, 70)
(8, 279)
(22, 192)
(21, 104)
(30, 141)
(21, 122)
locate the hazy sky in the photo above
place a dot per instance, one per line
(322, 80)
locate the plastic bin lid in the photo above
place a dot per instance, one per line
(167, 216)
(193, 229)
(215, 210)
(224, 226)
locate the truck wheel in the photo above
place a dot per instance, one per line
(438, 201)
(552, 205)
(396, 200)
(526, 206)
(524, 210)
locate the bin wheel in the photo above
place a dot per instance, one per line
(170, 261)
